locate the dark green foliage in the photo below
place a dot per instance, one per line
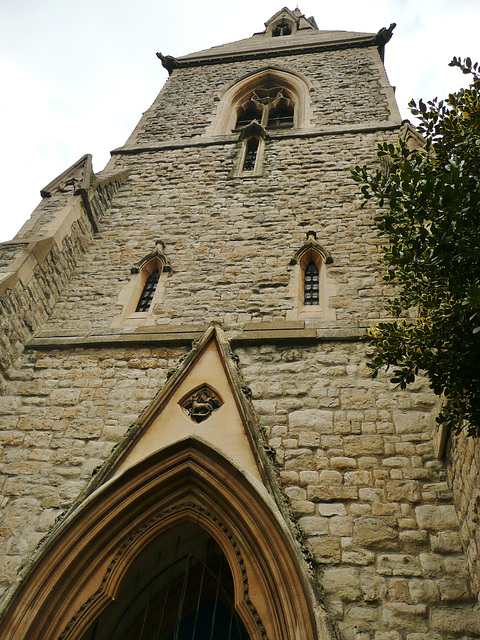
(432, 223)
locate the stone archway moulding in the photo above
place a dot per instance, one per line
(79, 570)
(232, 96)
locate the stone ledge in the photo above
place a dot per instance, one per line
(332, 130)
(251, 334)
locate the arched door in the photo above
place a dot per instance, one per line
(179, 588)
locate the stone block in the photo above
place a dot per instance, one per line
(452, 588)
(432, 565)
(314, 525)
(398, 564)
(357, 446)
(373, 586)
(455, 619)
(9, 405)
(412, 539)
(405, 617)
(411, 422)
(332, 493)
(344, 582)
(436, 517)
(446, 542)
(423, 591)
(316, 419)
(342, 462)
(372, 531)
(329, 476)
(340, 526)
(332, 509)
(360, 557)
(362, 617)
(402, 490)
(357, 398)
(326, 549)
(359, 478)
(65, 397)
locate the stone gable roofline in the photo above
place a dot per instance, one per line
(260, 46)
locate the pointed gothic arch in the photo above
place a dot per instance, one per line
(80, 567)
(145, 287)
(310, 286)
(291, 101)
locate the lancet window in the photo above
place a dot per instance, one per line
(311, 289)
(145, 288)
(251, 152)
(311, 286)
(148, 292)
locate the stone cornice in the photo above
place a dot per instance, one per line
(184, 335)
(279, 51)
(233, 139)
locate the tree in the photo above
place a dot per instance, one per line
(431, 219)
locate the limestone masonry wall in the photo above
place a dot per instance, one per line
(230, 240)
(463, 474)
(395, 552)
(61, 415)
(347, 89)
(36, 266)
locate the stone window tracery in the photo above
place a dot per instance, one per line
(275, 98)
(272, 107)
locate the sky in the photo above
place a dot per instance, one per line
(76, 76)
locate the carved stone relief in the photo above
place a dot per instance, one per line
(201, 403)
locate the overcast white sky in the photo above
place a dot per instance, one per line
(76, 76)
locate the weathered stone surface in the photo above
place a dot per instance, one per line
(456, 619)
(342, 582)
(446, 542)
(372, 531)
(355, 456)
(398, 564)
(410, 421)
(316, 419)
(405, 617)
(326, 549)
(436, 517)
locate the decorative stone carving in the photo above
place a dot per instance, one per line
(201, 403)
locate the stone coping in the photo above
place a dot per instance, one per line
(274, 49)
(164, 335)
(36, 249)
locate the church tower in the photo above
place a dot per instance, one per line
(192, 447)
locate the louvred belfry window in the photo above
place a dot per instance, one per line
(311, 285)
(270, 106)
(251, 154)
(283, 28)
(148, 292)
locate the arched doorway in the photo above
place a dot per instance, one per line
(179, 588)
(91, 560)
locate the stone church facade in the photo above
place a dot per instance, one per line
(191, 445)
